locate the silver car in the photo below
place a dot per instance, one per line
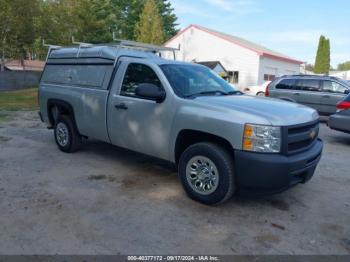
(319, 92)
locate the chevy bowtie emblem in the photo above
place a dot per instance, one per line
(312, 134)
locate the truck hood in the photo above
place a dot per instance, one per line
(275, 111)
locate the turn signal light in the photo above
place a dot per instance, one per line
(247, 144)
(248, 131)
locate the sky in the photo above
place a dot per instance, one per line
(292, 27)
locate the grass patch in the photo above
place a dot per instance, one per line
(26, 99)
(5, 117)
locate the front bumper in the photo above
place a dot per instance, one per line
(262, 174)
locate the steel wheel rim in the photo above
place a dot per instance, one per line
(202, 175)
(62, 134)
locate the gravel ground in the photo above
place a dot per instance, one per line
(106, 200)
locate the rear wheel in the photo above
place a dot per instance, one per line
(260, 94)
(66, 135)
(207, 174)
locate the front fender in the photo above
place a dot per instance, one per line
(217, 123)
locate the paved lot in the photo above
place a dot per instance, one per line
(105, 200)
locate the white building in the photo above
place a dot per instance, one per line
(247, 63)
(341, 74)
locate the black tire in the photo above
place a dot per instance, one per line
(224, 164)
(260, 94)
(74, 140)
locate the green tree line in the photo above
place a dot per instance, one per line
(24, 24)
(344, 66)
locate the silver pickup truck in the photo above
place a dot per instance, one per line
(221, 141)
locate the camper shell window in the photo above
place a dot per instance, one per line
(89, 76)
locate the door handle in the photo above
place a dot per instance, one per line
(296, 94)
(121, 106)
(326, 96)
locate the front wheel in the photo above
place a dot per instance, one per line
(260, 94)
(207, 173)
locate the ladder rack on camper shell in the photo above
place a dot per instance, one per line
(118, 43)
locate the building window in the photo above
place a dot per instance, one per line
(268, 77)
(233, 77)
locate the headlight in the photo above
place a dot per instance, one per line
(259, 138)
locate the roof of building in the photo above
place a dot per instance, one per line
(260, 50)
(211, 64)
(29, 65)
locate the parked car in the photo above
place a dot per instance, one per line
(258, 90)
(341, 120)
(221, 141)
(319, 92)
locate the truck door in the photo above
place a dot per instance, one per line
(134, 122)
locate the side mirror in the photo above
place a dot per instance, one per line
(150, 91)
(347, 91)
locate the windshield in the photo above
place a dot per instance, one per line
(192, 80)
(345, 82)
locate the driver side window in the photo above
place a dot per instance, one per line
(135, 75)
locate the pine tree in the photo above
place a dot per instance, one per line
(322, 63)
(149, 29)
(327, 56)
(166, 12)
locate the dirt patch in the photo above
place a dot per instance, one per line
(97, 177)
(129, 183)
(4, 139)
(327, 228)
(267, 240)
(279, 204)
(104, 200)
(102, 177)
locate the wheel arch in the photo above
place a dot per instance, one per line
(188, 137)
(63, 107)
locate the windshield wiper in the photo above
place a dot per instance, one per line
(214, 92)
